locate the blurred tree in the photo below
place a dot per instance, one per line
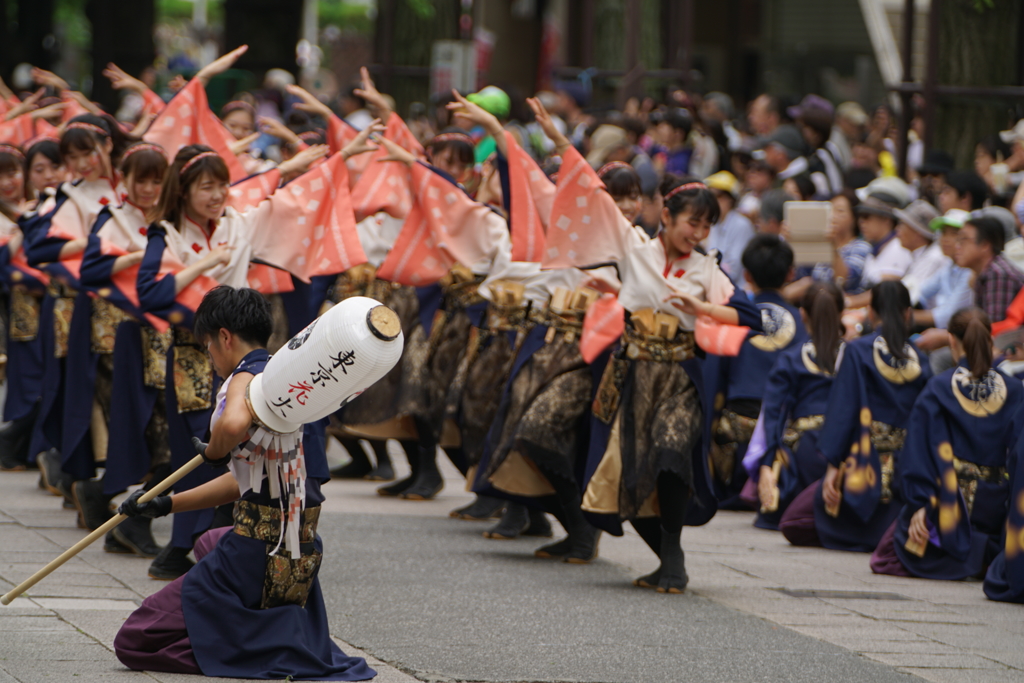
(978, 46)
(125, 38)
(269, 27)
(408, 29)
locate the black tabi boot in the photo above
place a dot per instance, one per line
(672, 577)
(136, 534)
(52, 476)
(482, 508)
(514, 521)
(93, 505)
(412, 450)
(170, 564)
(649, 529)
(428, 481)
(14, 444)
(383, 470)
(358, 467)
(539, 525)
(580, 546)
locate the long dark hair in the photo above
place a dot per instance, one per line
(823, 303)
(890, 301)
(87, 139)
(974, 330)
(180, 177)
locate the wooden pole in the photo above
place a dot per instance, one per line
(99, 533)
(908, 77)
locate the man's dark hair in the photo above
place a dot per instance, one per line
(989, 231)
(243, 312)
(768, 260)
(969, 182)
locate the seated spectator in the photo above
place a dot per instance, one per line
(917, 237)
(963, 190)
(769, 218)
(758, 179)
(932, 173)
(944, 293)
(733, 230)
(979, 248)
(800, 186)
(889, 260)
(784, 152)
(673, 130)
(815, 116)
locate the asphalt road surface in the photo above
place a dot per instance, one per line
(432, 597)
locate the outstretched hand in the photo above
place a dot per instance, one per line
(272, 126)
(120, 80)
(48, 78)
(373, 97)
(548, 125)
(301, 161)
(221, 64)
(26, 105)
(397, 153)
(241, 145)
(309, 104)
(463, 109)
(361, 144)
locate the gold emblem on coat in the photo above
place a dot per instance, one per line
(809, 355)
(893, 370)
(979, 398)
(779, 328)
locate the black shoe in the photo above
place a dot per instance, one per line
(396, 489)
(112, 545)
(650, 580)
(50, 473)
(554, 551)
(11, 463)
(584, 545)
(170, 564)
(514, 522)
(93, 505)
(356, 469)
(383, 470)
(136, 534)
(483, 508)
(673, 578)
(428, 484)
(539, 525)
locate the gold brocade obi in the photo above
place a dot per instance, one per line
(361, 280)
(887, 440)
(460, 287)
(286, 581)
(25, 309)
(105, 319)
(796, 429)
(968, 474)
(263, 522)
(509, 310)
(193, 373)
(63, 309)
(155, 346)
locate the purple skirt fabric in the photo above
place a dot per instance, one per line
(885, 560)
(797, 523)
(154, 637)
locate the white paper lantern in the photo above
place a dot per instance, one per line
(337, 357)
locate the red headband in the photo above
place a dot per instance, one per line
(683, 188)
(140, 147)
(201, 155)
(611, 166)
(449, 137)
(310, 135)
(235, 106)
(32, 142)
(12, 150)
(91, 127)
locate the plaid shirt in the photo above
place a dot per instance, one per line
(996, 287)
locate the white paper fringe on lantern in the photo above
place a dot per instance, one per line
(337, 357)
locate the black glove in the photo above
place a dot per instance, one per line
(158, 507)
(201, 450)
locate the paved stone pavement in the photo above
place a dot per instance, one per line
(447, 585)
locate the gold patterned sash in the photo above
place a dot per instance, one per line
(887, 440)
(796, 429)
(193, 373)
(63, 309)
(155, 346)
(286, 581)
(25, 308)
(105, 319)
(968, 474)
